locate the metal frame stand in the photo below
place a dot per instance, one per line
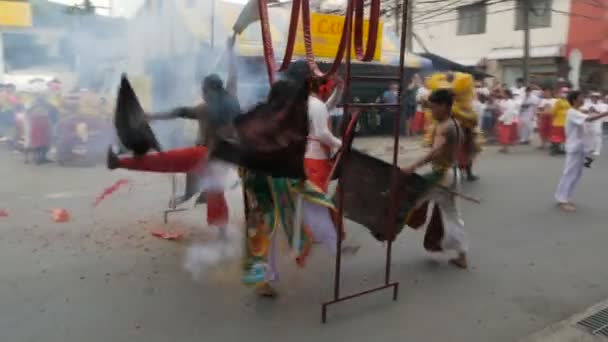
(173, 208)
(337, 298)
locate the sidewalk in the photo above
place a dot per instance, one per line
(568, 330)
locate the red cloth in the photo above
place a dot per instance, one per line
(317, 171)
(418, 122)
(182, 160)
(40, 131)
(217, 209)
(464, 158)
(558, 135)
(514, 133)
(544, 127)
(172, 161)
(506, 133)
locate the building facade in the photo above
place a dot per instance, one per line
(490, 34)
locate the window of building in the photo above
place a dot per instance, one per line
(472, 19)
(540, 14)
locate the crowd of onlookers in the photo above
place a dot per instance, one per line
(511, 115)
(43, 123)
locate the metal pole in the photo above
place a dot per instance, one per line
(212, 24)
(526, 22)
(397, 17)
(409, 29)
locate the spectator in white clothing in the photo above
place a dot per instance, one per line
(321, 142)
(595, 106)
(579, 143)
(527, 113)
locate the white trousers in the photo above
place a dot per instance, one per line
(525, 129)
(597, 142)
(573, 170)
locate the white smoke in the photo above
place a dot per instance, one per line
(202, 258)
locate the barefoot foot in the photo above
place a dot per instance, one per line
(265, 290)
(460, 261)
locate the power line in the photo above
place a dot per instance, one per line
(448, 10)
(502, 11)
(456, 19)
(572, 14)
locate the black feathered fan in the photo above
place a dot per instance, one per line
(131, 125)
(271, 136)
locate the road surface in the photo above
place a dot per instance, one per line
(103, 277)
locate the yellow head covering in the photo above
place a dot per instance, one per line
(463, 87)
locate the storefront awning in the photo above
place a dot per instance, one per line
(15, 13)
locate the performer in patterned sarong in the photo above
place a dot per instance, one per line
(444, 229)
(271, 203)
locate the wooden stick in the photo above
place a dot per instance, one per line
(452, 192)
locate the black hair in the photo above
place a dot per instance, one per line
(442, 97)
(223, 107)
(519, 80)
(280, 93)
(509, 93)
(213, 82)
(572, 96)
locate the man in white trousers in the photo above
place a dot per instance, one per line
(596, 106)
(529, 105)
(579, 142)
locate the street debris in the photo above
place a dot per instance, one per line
(110, 190)
(173, 236)
(60, 215)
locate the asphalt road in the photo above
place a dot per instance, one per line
(102, 276)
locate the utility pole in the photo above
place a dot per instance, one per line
(213, 24)
(526, 23)
(409, 28)
(397, 17)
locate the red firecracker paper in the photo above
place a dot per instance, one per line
(60, 215)
(110, 190)
(167, 235)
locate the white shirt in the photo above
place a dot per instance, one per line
(546, 105)
(529, 105)
(579, 136)
(338, 111)
(598, 107)
(518, 93)
(319, 134)
(510, 110)
(421, 95)
(479, 108)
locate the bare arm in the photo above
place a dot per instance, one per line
(336, 95)
(319, 118)
(231, 83)
(177, 113)
(597, 116)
